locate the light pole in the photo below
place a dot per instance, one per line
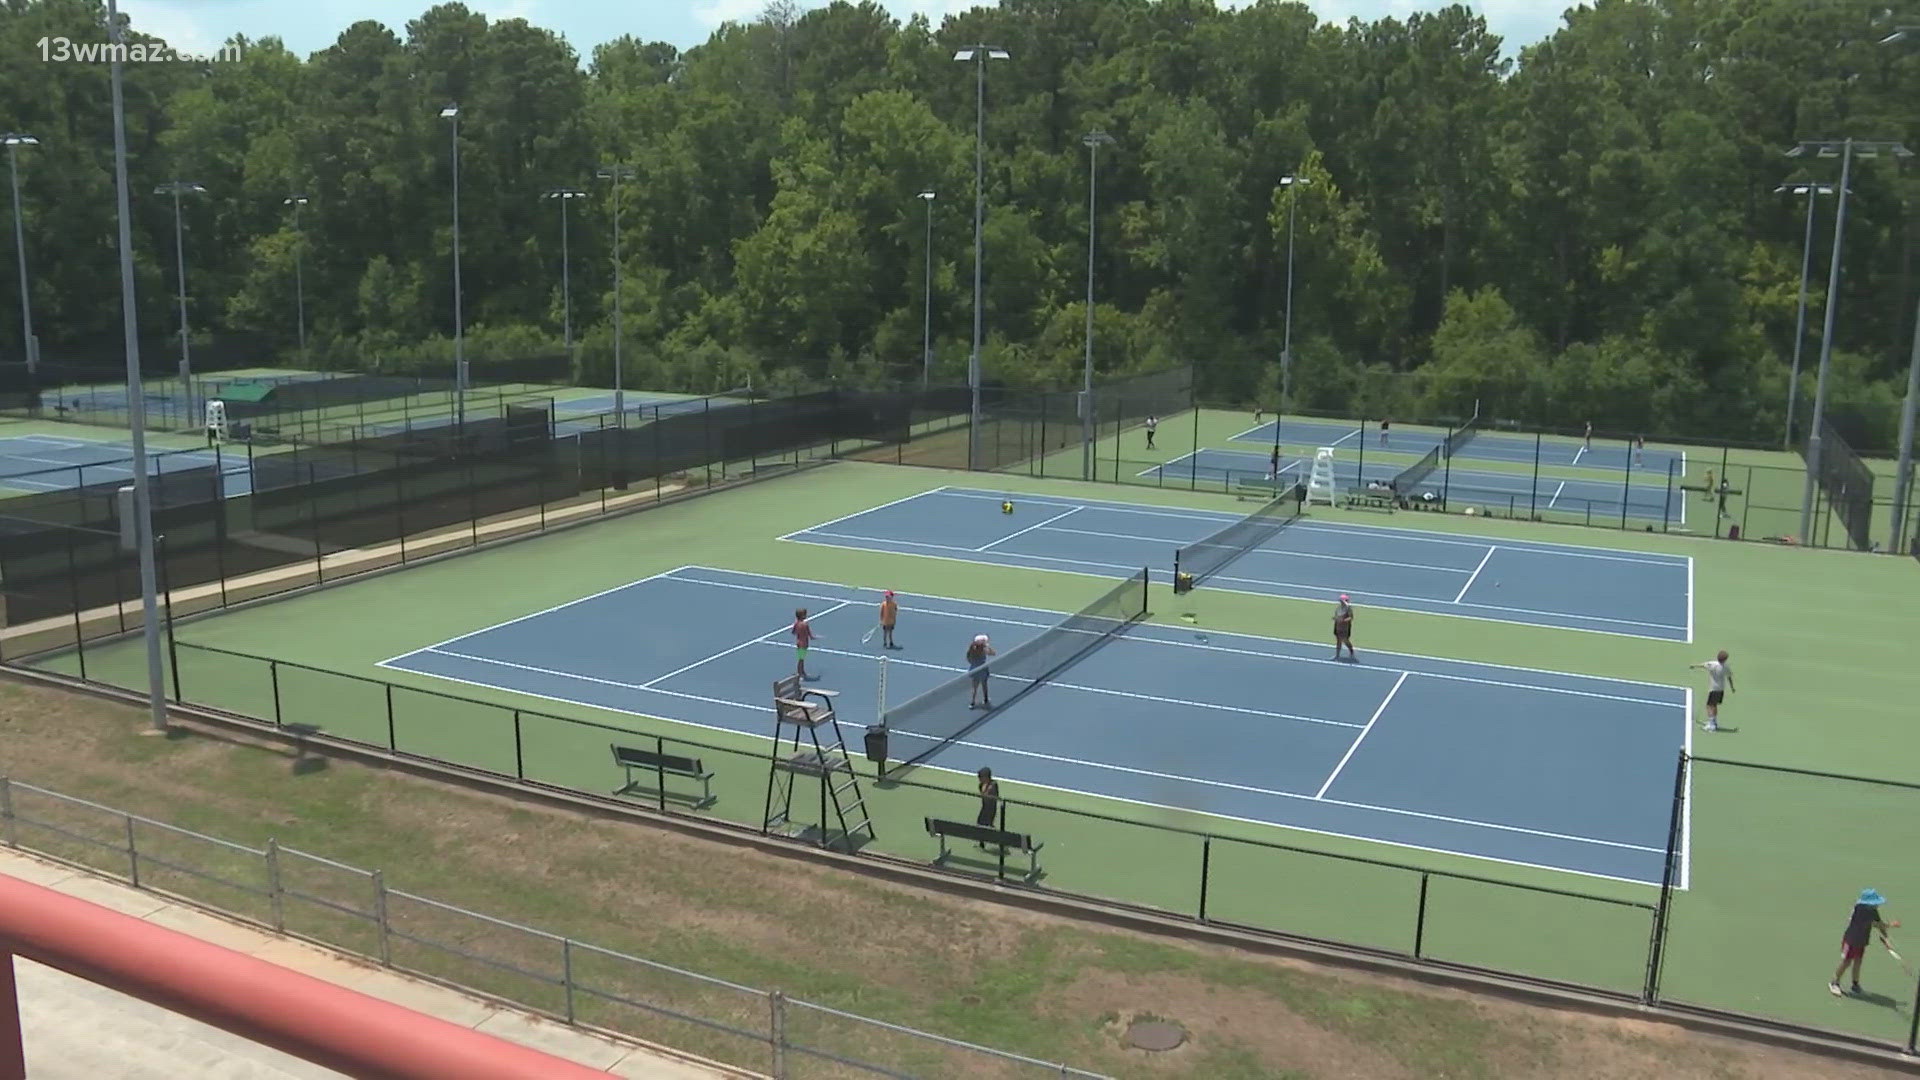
(1093, 140)
(1903, 472)
(617, 175)
(565, 195)
(13, 141)
(926, 309)
(978, 55)
(176, 189)
(136, 400)
(1846, 149)
(299, 283)
(1812, 192)
(1293, 183)
(452, 112)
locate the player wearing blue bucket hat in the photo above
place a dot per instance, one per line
(1853, 944)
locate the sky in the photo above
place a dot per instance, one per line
(198, 27)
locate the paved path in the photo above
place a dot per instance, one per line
(76, 1030)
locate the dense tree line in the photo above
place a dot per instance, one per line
(1589, 231)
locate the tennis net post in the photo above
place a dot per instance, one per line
(1200, 560)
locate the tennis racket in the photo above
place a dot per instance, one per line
(867, 638)
(1897, 958)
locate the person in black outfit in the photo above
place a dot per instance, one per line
(1853, 943)
(989, 816)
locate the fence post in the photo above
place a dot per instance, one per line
(1446, 477)
(73, 591)
(566, 975)
(777, 1032)
(393, 742)
(380, 917)
(133, 854)
(273, 677)
(1657, 944)
(519, 756)
(1533, 507)
(1206, 873)
(1420, 920)
(8, 832)
(660, 777)
(273, 886)
(166, 592)
(1666, 508)
(1626, 487)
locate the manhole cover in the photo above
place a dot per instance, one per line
(1155, 1035)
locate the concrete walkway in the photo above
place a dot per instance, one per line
(76, 1030)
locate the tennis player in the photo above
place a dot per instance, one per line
(1273, 463)
(889, 614)
(1343, 628)
(1864, 922)
(1639, 451)
(1153, 424)
(1385, 423)
(802, 637)
(1719, 685)
(989, 815)
(1588, 442)
(977, 654)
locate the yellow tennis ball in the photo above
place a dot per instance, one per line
(1006, 507)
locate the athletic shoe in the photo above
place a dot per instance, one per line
(1834, 989)
(1713, 725)
(1855, 989)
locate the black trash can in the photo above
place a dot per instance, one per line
(877, 744)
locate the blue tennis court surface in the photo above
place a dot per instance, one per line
(1621, 592)
(1486, 446)
(1647, 497)
(47, 463)
(1544, 769)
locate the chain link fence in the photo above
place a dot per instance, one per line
(355, 911)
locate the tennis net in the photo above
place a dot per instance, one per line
(1410, 477)
(1202, 559)
(945, 713)
(1464, 435)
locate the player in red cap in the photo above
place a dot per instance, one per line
(889, 613)
(1343, 628)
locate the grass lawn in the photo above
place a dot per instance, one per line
(1045, 987)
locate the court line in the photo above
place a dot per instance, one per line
(1104, 797)
(1420, 536)
(1030, 528)
(1362, 737)
(1109, 691)
(1229, 785)
(1244, 652)
(1476, 572)
(1686, 801)
(763, 639)
(1556, 494)
(1578, 453)
(1689, 601)
(1275, 551)
(537, 614)
(868, 510)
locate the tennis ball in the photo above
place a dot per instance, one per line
(1006, 507)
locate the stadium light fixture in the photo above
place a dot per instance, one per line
(926, 292)
(177, 188)
(13, 141)
(299, 281)
(1812, 192)
(1293, 182)
(452, 112)
(1846, 150)
(1093, 140)
(565, 195)
(977, 55)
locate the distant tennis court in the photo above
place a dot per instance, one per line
(1639, 594)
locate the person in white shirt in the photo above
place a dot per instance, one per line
(1719, 685)
(1153, 424)
(1343, 628)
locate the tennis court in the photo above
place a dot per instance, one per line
(1522, 581)
(1485, 446)
(57, 463)
(1536, 768)
(1643, 496)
